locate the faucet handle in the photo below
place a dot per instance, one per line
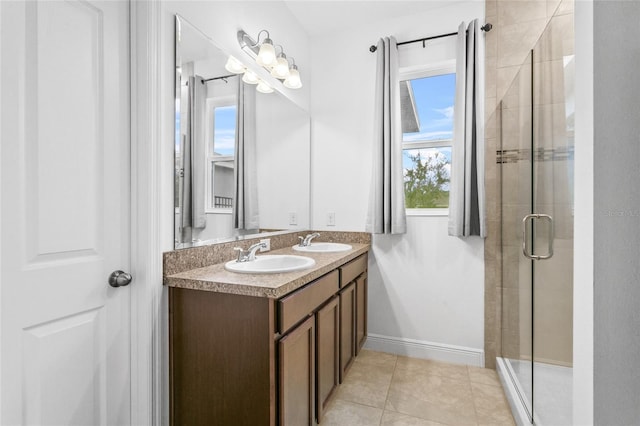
(240, 253)
(301, 243)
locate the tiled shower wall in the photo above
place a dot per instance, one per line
(517, 25)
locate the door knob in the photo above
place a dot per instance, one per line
(119, 279)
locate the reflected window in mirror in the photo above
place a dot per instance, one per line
(221, 137)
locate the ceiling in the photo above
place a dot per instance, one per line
(320, 16)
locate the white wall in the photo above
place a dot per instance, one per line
(283, 150)
(424, 286)
(583, 220)
(616, 214)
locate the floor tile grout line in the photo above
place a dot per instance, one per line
(386, 399)
(473, 399)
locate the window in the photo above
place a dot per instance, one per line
(427, 100)
(220, 159)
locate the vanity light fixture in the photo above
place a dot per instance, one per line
(264, 54)
(263, 87)
(293, 80)
(250, 77)
(267, 53)
(234, 66)
(281, 68)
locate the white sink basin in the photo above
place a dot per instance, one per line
(271, 264)
(323, 247)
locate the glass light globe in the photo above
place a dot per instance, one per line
(293, 81)
(234, 66)
(250, 77)
(263, 87)
(281, 69)
(267, 54)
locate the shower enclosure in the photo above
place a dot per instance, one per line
(535, 159)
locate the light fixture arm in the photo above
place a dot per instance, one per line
(247, 43)
(256, 43)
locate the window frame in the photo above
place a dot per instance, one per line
(212, 104)
(414, 73)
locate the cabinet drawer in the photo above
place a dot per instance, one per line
(350, 271)
(301, 303)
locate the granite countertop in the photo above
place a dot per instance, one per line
(217, 279)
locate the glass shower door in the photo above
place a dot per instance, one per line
(552, 163)
(536, 163)
(516, 168)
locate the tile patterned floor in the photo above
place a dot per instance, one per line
(384, 389)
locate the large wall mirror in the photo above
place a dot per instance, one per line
(242, 158)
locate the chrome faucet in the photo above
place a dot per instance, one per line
(306, 241)
(249, 254)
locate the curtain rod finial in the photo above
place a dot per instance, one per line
(486, 27)
(373, 48)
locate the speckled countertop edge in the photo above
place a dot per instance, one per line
(215, 278)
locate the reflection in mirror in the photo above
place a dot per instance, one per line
(241, 157)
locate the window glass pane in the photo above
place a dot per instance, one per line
(224, 130)
(426, 177)
(433, 99)
(222, 184)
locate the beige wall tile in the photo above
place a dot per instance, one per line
(552, 5)
(565, 7)
(516, 40)
(491, 10)
(521, 11)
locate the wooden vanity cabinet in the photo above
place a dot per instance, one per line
(307, 353)
(246, 360)
(353, 311)
(328, 354)
(347, 328)
(297, 375)
(222, 359)
(361, 311)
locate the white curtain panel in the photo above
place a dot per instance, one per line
(194, 149)
(245, 206)
(386, 213)
(467, 194)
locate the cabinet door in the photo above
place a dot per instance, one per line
(361, 311)
(347, 328)
(297, 373)
(328, 344)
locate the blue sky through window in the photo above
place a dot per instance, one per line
(224, 132)
(434, 98)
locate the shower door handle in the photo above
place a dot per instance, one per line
(525, 236)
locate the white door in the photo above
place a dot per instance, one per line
(64, 212)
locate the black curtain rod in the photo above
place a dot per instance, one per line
(486, 28)
(219, 78)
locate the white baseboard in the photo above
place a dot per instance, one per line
(426, 350)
